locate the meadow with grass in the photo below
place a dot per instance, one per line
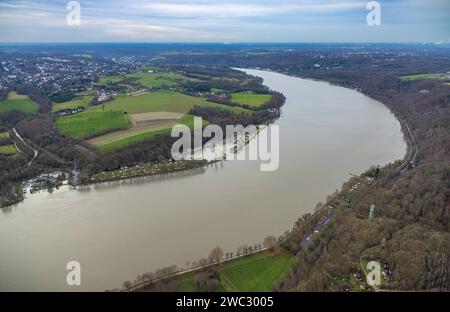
(250, 99)
(425, 76)
(91, 123)
(152, 102)
(157, 80)
(9, 149)
(16, 101)
(253, 273)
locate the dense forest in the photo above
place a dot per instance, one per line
(411, 230)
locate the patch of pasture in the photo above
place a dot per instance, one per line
(425, 76)
(115, 136)
(254, 273)
(138, 120)
(19, 102)
(8, 149)
(90, 123)
(251, 99)
(152, 102)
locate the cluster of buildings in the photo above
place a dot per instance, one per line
(55, 75)
(104, 95)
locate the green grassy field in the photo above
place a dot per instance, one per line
(424, 76)
(4, 135)
(18, 102)
(250, 99)
(234, 109)
(152, 102)
(90, 123)
(76, 102)
(162, 101)
(157, 80)
(124, 138)
(187, 283)
(258, 272)
(8, 149)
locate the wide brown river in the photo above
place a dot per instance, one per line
(120, 230)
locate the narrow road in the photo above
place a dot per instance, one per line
(26, 145)
(414, 153)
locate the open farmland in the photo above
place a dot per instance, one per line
(157, 80)
(145, 119)
(16, 101)
(152, 102)
(250, 99)
(162, 101)
(120, 139)
(90, 123)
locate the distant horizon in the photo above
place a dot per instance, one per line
(227, 43)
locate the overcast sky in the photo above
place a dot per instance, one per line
(225, 21)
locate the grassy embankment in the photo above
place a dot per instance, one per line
(18, 102)
(257, 272)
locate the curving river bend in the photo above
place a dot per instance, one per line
(121, 230)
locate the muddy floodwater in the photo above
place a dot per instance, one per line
(117, 231)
